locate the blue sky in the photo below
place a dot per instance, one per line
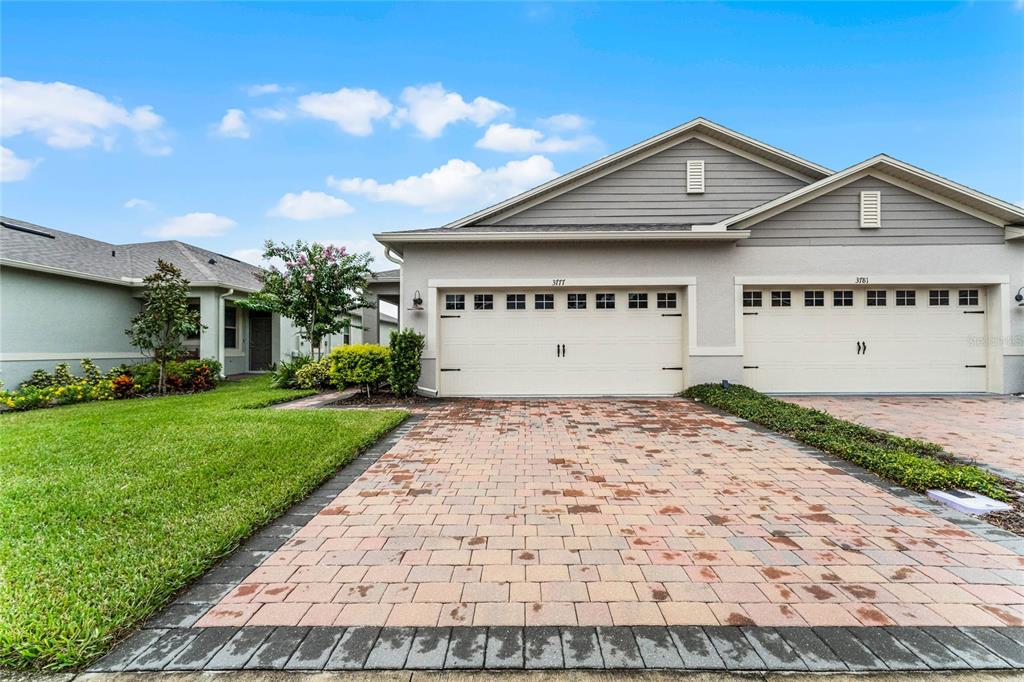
(378, 117)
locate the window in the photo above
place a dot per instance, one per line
(515, 301)
(695, 176)
(667, 300)
(544, 301)
(454, 301)
(968, 297)
(781, 299)
(938, 297)
(483, 301)
(814, 299)
(605, 301)
(842, 299)
(230, 326)
(193, 308)
(876, 299)
(577, 301)
(751, 299)
(638, 301)
(906, 297)
(871, 209)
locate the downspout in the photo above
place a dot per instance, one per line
(220, 331)
(390, 255)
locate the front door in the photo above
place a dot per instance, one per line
(260, 348)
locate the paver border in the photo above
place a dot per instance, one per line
(168, 642)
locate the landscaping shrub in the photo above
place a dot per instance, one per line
(406, 351)
(314, 374)
(365, 365)
(283, 375)
(909, 462)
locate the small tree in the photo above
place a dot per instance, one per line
(319, 288)
(160, 329)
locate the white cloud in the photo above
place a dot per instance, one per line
(251, 256)
(270, 114)
(263, 89)
(69, 117)
(234, 124)
(430, 108)
(13, 169)
(565, 122)
(503, 137)
(310, 206)
(456, 184)
(353, 110)
(138, 203)
(194, 225)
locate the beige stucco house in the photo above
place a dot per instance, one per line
(702, 255)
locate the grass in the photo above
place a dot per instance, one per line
(915, 464)
(107, 509)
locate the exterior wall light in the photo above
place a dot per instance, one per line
(1019, 298)
(417, 301)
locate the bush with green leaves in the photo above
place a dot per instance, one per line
(365, 365)
(181, 376)
(406, 351)
(316, 374)
(916, 464)
(283, 375)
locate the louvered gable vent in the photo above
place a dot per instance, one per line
(695, 177)
(871, 209)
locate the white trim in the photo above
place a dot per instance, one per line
(534, 282)
(387, 238)
(1010, 213)
(1013, 232)
(802, 280)
(717, 351)
(68, 355)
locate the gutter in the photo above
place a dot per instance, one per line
(119, 281)
(466, 235)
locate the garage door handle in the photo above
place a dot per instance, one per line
(671, 314)
(865, 348)
(974, 312)
(563, 350)
(859, 348)
(446, 317)
(558, 350)
(975, 366)
(678, 369)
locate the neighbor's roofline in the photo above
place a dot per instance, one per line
(808, 167)
(119, 281)
(997, 211)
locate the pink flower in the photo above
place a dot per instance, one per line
(309, 278)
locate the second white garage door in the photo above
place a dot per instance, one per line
(896, 339)
(612, 341)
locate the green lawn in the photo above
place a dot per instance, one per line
(107, 509)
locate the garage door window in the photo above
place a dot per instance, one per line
(751, 299)
(483, 302)
(814, 299)
(938, 297)
(544, 301)
(638, 301)
(781, 299)
(968, 297)
(605, 301)
(667, 300)
(842, 299)
(906, 297)
(876, 299)
(577, 301)
(515, 301)
(454, 302)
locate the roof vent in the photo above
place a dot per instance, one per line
(695, 176)
(212, 261)
(26, 230)
(113, 253)
(871, 209)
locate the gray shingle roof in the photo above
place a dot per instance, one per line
(613, 227)
(386, 275)
(29, 243)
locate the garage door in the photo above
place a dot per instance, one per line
(562, 342)
(868, 340)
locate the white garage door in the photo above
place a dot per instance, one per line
(868, 340)
(562, 342)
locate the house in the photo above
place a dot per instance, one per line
(64, 297)
(702, 255)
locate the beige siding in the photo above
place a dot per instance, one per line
(907, 218)
(654, 191)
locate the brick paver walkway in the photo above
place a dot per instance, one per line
(619, 512)
(986, 429)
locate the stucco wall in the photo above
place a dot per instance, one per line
(715, 267)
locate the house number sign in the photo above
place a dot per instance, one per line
(861, 280)
(558, 282)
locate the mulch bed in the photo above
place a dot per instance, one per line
(385, 398)
(1012, 520)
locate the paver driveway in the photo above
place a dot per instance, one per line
(988, 430)
(623, 512)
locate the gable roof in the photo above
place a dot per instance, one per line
(711, 131)
(27, 245)
(912, 178)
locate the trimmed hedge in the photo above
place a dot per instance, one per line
(406, 352)
(363, 364)
(911, 463)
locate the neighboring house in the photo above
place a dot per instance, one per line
(376, 326)
(64, 297)
(386, 324)
(701, 255)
